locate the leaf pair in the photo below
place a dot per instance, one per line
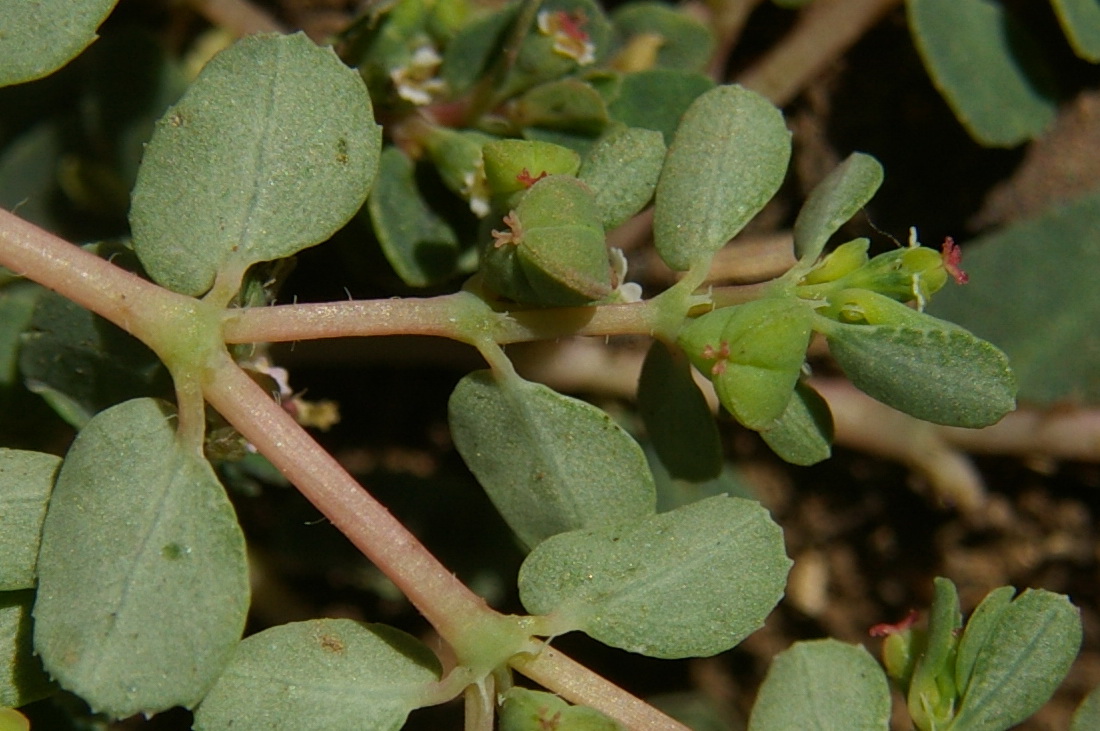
(576, 488)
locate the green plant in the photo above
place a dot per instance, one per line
(507, 167)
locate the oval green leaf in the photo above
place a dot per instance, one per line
(803, 435)
(1087, 715)
(622, 170)
(727, 159)
(692, 582)
(417, 242)
(26, 479)
(979, 628)
(142, 580)
(835, 200)
(253, 164)
(1022, 663)
(987, 66)
(549, 463)
(321, 674)
(37, 38)
(1080, 21)
(684, 42)
(656, 99)
(823, 685)
(926, 367)
(676, 416)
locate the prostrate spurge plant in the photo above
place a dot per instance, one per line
(552, 123)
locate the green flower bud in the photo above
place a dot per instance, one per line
(551, 250)
(514, 165)
(844, 260)
(457, 157)
(753, 353)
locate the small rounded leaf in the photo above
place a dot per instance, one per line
(835, 199)
(622, 170)
(40, 37)
(824, 685)
(253, 164)
(549, 463)
(26, 480)
(331, 674)
(727, 159)
(692, 582)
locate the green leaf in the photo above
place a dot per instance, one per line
(926, 367)
(1023, 662)
(835, 200)
(689, 583)
(727, 160)
(684, 43)
(28, 175)
(253, 164)
(549, 463)
(1080, 21)
(22, 679)
(656, 99)
(469, 53)
(1049, 332)
(673, 492)
(26, 479)
(622, 170)
(82, 364)
(932, 694)
(321, 674)
(824, 685)
(565, 104)
(17, 304)
(1087, 716)
(142, 580)
(803, 435)
(979, 629)
(987, 66)
(676, 416)
(418, 243)
(533, 710)
(37, 38)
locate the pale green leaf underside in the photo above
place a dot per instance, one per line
(986, 66)
(142, 581)
(270, 151)
(26, 479)
(941, 374)
(22, 680)
(622, 171)
(331, 674)
(728, 157)
(1024, 661)
(823, 685)
(981, 625)
(550, 463)
(40, 36)
(692, 582)
(835, 200)
(1049, 332)
(1080, 20)
(803, 435)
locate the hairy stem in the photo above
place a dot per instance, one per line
(577, 684)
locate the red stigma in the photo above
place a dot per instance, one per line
(952, 258)
(886, 628)
(571, 24)
(527, 180)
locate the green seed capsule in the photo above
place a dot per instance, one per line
(550, 249)
(515, 165)
(753, 353)
(845, 259)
